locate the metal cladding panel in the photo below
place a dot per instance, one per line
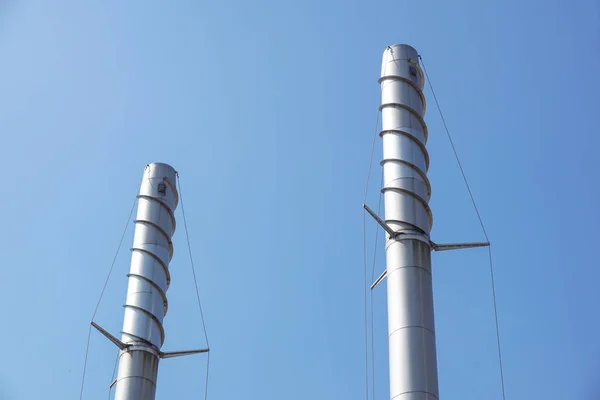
(420, 374)
(146, 304)
(394, 117)
(138, 325)
(404, 136)
(137, 376)
(154, 175)
(404, 93)
(149, 268)
(395, 61)
(406, 189)
(149, 209)
(399, 146)
(409, 277)
(411, 180)
(146, 234)
(404, 207)
(156, 251)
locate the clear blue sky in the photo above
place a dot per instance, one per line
(267, 109)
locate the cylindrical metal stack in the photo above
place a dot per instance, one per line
(149, 279)
(406, 190)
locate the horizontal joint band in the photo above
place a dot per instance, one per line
(392, 270)
(409, 164)
(412, 327)
(415, 391)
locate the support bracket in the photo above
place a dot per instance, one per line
(457, 246)
(381, 222)
(172, 354)
(110, 337)
(162, 354)
(434, 246)
(437, 247)
(378, 281)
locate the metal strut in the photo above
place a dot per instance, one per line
(457, 246)
(162, 354)
(434, 246)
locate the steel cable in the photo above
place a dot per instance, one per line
(114, 373)
(196, 286)
(365, 284)
(87, 346)
(371, 298)
(464, 176)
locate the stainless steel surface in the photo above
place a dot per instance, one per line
(406, 190)
(146, 303)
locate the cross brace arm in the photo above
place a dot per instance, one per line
(378, 281)
(172, 354)
(381, 222)
(163, 354)
(110, 337)
(457, 246)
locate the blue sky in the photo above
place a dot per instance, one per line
(267, 109)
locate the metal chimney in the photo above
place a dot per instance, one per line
(406, 191)
(146, 305)
(408, 221)
(149, 279)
